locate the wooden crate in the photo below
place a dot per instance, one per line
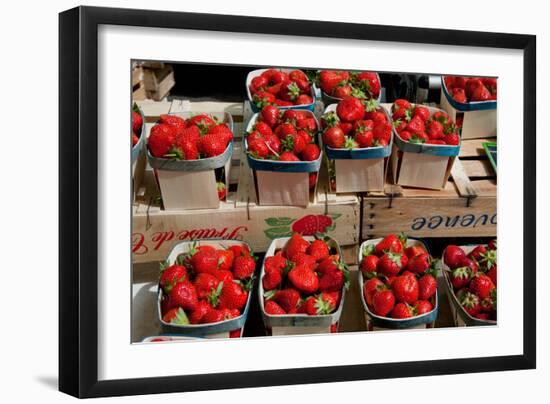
(158, 82)
(467, 207)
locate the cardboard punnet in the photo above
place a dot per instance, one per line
(138, 158)
(329, 99)
(220, 329)
(460, 316)
(422, 165)
(479, 117)
(191, 184)
(297, 324)
(258, 72)
(282, 183)
(378, 323)
(358, 170)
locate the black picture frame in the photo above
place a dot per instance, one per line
(78, 195)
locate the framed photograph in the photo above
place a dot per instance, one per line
(292, 197)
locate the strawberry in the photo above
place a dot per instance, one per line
(203, 121)
(258, 83)
(470, 302)
(173, 120)
(309, 225)
(452, 139)
(271, 307)
(369, 265)
(422, 112)
(213, 316)
(401, 109)
(137, 122)
(383, 302)
(258, 148)
(332, 281)
(135, 139)
(270, 114)
(263, 98)
(329, 264)
(369, 82)
(318, 305)
(311, 152)
(434, 129)
(303, 99)
(492, 245)
(364, 139)
(334, 137)
(402, 310)
(223, 131)
(422, 307)
(470, 264)
(478, 253)
(319, 250)
(304, 279)
(406, 289)
(161, 139)
(329, 79)
(419, 263)
(391, 263)
(288, 299)
(488, 304)
(223, 275)
(482, 316)
(172, 275)
(459, 95)
(302, 259)
(204, 260)
(296, 244)
(197, 315)
(427, 286)
(370, 287)
(275, 262)
(391, 243)
(176, 316)
(414, 250)
(342, 91)
(240, 249)
(204, 284)
(471, 84)
(292, 142)
(184, 295)
(306, 123)
(243, 267)
(481, 285)
(312, 180)
(480, 93)
(460, 277)
(492, 274)
(211, 145)
(288, 156)
(442, 117)
(452, 256)
(350, 109)
(272, 278)
(232, 296)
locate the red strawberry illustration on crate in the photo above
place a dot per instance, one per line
(308, 225)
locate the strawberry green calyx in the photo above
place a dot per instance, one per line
(163, 265)
(331, 119)
(214, 296)
(396, 123)
(371, 105)
(408, 115)
(469, 300)
(461, 272)
(350, 143)
(489, 259)
(403, 238)
(293, 90)
(323, 307)
(289, 265)
(287, 144)
(434, 267)
(181, 318)
(416, 139)
(395, 257)
(368, 250)
(358, 93)
(270, 294)
(247, 284)
(174, 153)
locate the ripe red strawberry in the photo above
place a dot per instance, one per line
(263, 128)
(258, 83)
(225, 259)
(135, 139)
(288, 299)
(240, 249)
(223, 131)
(318, 249)
(311, 152)
(318, 305)
(258, 148)
(275, 262)
(383, 302)
(211, 145)
(232, 296)
(441, 117)
(263, 98)
(303, 99)
(304, 279)
(350, 109)
(419, 263)
(329, 264)
(434, 129)
(416, 125)
(329, 79)
(204, 284)
(334, 137)
(203, 121)
(332, 281)
(492, 274)
(422, 307)
(270, 114)
(196, 316)
(488, 304)
(406, 289)
(302, 259)
(204, 260)
(369, 82)
(292, 142)
(184, 295)
(272, 278)
(370, 287)
(471, 264)
(460, 277)
(137, 122)
(223, 275)
(364, 139)
(213, 316)
(482, 316)
(452, 139)
(414, 250)
(401, 109)
(284, 129)
(288, 156)
(271, 307)
(478, 253)
(391, 243)
(401, 310)
(480, 93)
(243, 267)
(174, 120)
(369, 265)
(296, 244)
(459, 95)
(382, 131)
(306, 123)
(391, 263)
(342, 91)
(481, 285)
(452, 256)
(470, 302)
(422, 112)
(427, 286)
(172, 275)
(176, 316)
(161, 140)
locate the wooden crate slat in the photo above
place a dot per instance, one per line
(461, 180)
(473, 147)
(478, 168)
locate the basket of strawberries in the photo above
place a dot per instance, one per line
(471, 280)
(339, 84)
(190, 151)
(398, 280)
(282, 151)
(357, 139)
(137, 131)
(204, 288)
(302, 285)
(286, 88)
(471, 102)
(427, 141)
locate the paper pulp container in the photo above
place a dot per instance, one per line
(281, 183)
(480, 117)
(138, 158)
(191, 184)
(422, 165)
(254, 73)
(213, 330)
(329, 99)
(359, 170)
(296, 324)
(460, 316)
(375, 322)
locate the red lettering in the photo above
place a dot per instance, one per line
(160, 237)
(138, 244)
